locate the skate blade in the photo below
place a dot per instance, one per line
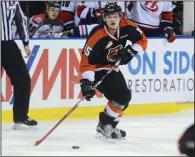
(17, 126)
(121, 138)
(102, 137)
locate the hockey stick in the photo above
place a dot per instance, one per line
(76, 105)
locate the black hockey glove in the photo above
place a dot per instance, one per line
(126, 55)
(87, 89)
(169, 34)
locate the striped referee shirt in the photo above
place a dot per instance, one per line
(10, 12)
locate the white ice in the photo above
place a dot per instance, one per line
(146, 135)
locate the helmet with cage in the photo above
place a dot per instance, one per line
(53, 4)
(53, 9)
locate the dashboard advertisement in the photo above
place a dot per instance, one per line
(164, 73)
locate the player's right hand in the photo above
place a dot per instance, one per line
(169, 34)
(87, 89)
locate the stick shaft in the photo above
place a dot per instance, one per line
(75, 106)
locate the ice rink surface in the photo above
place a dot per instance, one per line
(146, 135)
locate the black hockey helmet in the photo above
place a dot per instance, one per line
(54, 4)
(186, 142)
(112, 7)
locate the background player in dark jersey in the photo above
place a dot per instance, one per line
(186, 142)
(105, 45)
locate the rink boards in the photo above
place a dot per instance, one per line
(161, 79)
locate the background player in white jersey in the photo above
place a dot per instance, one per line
(153, 17)
(67, 13)
(47, 25)
(90, 12)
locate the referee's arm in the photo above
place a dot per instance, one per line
(21, 24)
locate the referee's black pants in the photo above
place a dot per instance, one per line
(15, 67)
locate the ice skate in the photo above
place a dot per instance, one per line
(25, 124)
(105, 132)
(121, 134)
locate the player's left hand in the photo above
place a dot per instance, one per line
(126, 55)
(98, 13)
(169, 34)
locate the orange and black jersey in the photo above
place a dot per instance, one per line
(100, 44)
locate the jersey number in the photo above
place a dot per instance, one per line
(32, 28)
(87, 50)
(65, 3)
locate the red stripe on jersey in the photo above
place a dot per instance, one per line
(80, 9)
(66, 16)
(167, 16)
(82, 29)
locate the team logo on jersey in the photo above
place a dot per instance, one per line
(112, 52)
(37, 20)
(109, 45)
(124, 36)
(150, 6)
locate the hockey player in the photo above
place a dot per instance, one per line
(67, 13)
(105, 45)
(91, 12)
(153, 17)
(47, 25)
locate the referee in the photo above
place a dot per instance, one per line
(13, 62)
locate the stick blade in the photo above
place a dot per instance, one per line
(38, 142)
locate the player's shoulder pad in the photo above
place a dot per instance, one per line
(127, 22)
(37, 19)
(95, 29)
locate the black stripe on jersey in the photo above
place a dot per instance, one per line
(67, 11)
(167, 11)
(143, 23)
(86, 31)
(144, 8)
